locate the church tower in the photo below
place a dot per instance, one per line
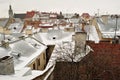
(11, 17)
(10, 12)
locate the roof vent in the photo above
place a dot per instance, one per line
(16, 55)
(36, 45)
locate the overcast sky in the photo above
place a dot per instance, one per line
(75, 6)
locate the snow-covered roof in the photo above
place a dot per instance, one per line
(4, 52)
(58, 35)
(23, 48)
(49, 40)
(18, 20)
(92, 33)
(108, 29)
(3, 22)
(16, 27)
(54, 34)
(74, 20)
(11, 38)
(46, 25)
(29, 49)
(69, 15)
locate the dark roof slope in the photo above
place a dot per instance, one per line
(21, 16)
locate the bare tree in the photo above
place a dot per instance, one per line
(66, 52)
(67, 62)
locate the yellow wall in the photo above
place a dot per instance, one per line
(44, 29)
(7, 32)
(41, 59)
(28, 31)
(69, 29)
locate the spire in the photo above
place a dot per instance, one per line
(10, 8)
(10, 12)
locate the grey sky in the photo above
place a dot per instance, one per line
(79, 6)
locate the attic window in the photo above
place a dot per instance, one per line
(54, 37)
(9, 39)
(37, 46)
(14, 27)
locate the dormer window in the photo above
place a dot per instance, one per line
(35, 45)
(54, 37)
(9, 39)
(14, 28)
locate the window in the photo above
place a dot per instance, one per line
(54, 37)
(14, 28)
(38, 62)
(44, 56)
(34, 66)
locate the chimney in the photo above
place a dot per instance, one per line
(83, 26)
(80, 42)
(118, 39)
(105, 18)
(5, 44)
(6, 65)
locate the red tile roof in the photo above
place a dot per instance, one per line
(30, 14)
(85, 15)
